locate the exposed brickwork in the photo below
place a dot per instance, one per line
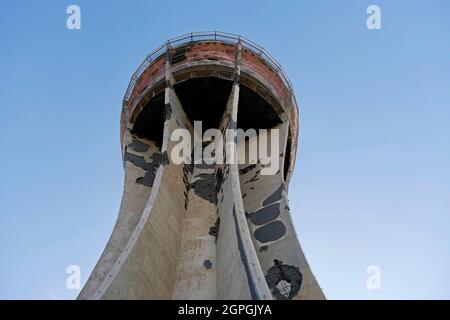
(260, 67)
(211, 51)
(154, 71)
(221, 52)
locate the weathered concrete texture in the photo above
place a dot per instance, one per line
(147, 266)
(134, 198)
(196, 273)
(239, 275)
(199, 231)
(271, 227)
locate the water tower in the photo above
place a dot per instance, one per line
(204, 231)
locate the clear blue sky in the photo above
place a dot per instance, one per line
(372, 181)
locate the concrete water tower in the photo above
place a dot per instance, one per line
(204, 231)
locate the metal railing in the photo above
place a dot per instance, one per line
(205, 36)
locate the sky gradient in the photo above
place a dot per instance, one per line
(372, 179)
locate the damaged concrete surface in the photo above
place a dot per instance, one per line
(204, 231)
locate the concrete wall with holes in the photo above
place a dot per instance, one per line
(268, 216)
(199, 231)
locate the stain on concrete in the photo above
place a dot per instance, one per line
(265, 214)
(187, 171)
(270, 232)
(207, 264)
(263, 248)
(274, 197)
(232, 125)
(147, 180)
(219, 179)
(247, 169)
(279, 272)
(214, 230)
(255, 177)
(167, 111)
(205, 187)
(164, 159)
(149, 167)
(227, 171)
(251, 284)
(237, 78)
(138, 161)
(138, 146)
(252, 179)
